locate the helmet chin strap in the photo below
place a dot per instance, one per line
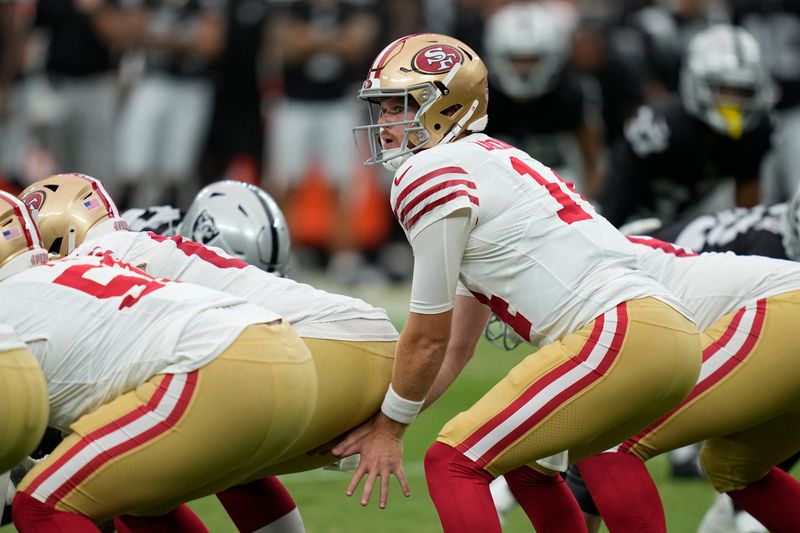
(455, 131)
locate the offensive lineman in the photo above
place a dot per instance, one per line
(745, 316)
(139, 372)
(23, 391)
(352, 343)
(522, 242)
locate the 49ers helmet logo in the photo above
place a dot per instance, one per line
(436, 59)
(34, 200)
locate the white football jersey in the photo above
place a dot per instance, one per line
(100, 328)
(714, 284)
(9, 340)
(538, 254)
(313, 313)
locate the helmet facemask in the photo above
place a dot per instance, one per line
(415, 137)
(440, 75)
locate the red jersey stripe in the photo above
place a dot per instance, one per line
(190, 248)
(663, 246)
(441, 201)
(607, 359)
(422, 179)
(427, 193)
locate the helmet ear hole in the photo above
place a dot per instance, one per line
(437, 126)
(452, 110)
(56, 246)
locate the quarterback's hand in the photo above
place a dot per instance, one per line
(380, 443)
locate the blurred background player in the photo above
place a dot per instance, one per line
(164, 120)
(322, 46)
(479, 211)
(776, 26)
(139, 390)
(676, 152)
(537, 100)
(654, 37)
(352, 343)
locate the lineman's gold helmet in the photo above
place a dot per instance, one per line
(20, 243)
(444, 77)
(68, 207)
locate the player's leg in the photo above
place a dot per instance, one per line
(578, 488)
(151, 449)
(263, 505)
(567, 396)
(742, 351)
(24, 406)
(352, 381)
(742, 465)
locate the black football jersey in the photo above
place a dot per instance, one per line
(538, 126)
(668, 161)
(754, 231)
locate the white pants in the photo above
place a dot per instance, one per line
(161, 132)
(304, 131)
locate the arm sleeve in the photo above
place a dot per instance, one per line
(438, 250)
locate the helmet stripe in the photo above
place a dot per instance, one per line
(27, 222)
(379, 63)
(97, 186)
(273, 229)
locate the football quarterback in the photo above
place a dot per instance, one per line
(352, 342)
(524, 244)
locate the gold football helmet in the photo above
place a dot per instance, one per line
(20, 243)
(442, 76)
(68, 206)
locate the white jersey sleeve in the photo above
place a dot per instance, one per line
(100, 327)
(9, 339)
(429, 189)
(438, 250)
(712, 284)
(311, 312)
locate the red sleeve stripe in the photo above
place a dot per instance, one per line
(663, 246)
(427, 194)
(441, 201)
(427, 177)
